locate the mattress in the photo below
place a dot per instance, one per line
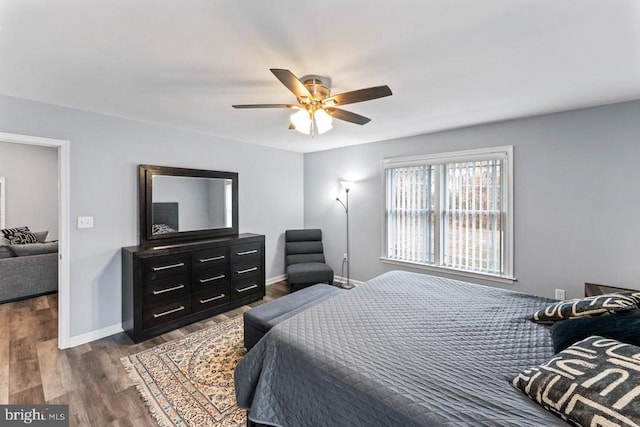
(403, 349)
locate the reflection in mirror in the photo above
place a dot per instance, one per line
(184, 203)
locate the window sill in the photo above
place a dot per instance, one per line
(454, 272)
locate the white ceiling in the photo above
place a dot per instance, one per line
(449, 63)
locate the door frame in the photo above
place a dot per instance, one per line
(64, 267)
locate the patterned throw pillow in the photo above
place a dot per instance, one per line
(19, 235)
(10, 231)
(161, 229)
(587, 306)
(595, 382)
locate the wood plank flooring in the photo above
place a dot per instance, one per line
(90, 377)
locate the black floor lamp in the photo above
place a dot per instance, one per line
(347, 185)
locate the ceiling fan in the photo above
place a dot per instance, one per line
(317, 106)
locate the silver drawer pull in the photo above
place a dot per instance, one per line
(248, 270)
(204, 301)
(255, 251)
(211, 279)
(175, 310)
(248, 288)
(167, 267)
(162, 291)
(215, 258)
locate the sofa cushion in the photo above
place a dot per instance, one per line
(6, 252)
(34, 248)
(35, 275)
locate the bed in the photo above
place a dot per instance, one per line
(403, 349)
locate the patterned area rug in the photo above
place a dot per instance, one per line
(189, 381)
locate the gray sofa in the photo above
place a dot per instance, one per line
(28, 270)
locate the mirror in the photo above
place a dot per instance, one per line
(178, 203)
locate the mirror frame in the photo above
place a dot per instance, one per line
(145, 198)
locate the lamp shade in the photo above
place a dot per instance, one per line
(302, 121)
(347, 185)
(323, 121)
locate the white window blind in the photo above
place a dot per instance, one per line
(410, 214)
(451, 211)
(472, 231)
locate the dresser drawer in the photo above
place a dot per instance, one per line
(168, 286)
(246, 287)
(166, 312)
(157, 291)
(218, 295)
(206, 279)
(246, 269)
(166, 266)
(246, 252)
(210, 258)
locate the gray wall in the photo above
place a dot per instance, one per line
(576, 178)
(31, 178)
(105, 152)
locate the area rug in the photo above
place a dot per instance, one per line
(189, 381)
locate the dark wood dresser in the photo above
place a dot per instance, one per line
(167, 286)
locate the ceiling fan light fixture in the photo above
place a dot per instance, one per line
(316, 104)
(323, 121)
(301, 121)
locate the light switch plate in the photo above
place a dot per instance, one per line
(85, 222)
(561, 294)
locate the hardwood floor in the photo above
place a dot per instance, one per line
(90, 378)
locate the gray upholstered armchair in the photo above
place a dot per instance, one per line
(304, 258)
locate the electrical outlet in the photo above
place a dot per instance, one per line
(345, 257)
(85, 222)
(561, 294)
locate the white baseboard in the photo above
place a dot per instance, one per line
(95, 335)
(117, 328)
(276, 279)
(340, 279)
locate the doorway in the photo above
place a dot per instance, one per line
(63, 226)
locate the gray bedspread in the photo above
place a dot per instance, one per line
(403, 349)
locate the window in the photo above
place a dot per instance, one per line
(451, 211)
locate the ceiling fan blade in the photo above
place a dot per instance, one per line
(291, 82)
(266, 106)
(361, 95)
(292, 126)
(348, 116)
